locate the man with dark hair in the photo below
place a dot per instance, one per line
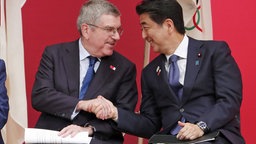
(192, 88)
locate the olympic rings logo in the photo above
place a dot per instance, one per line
(195, 22)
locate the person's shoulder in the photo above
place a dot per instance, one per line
(209, 45)
(2, 63)
(62, 46)
(208, 42)
(215, 42)
(216, 45)
(121, 58)
(2, 66)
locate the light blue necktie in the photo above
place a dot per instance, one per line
(88, 77)
(174, 75)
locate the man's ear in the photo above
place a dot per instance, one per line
(85, 30)
(169, 24)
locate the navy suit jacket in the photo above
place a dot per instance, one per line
(56, 90)
(212, 93)
(4, 103)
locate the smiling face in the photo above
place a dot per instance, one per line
(162, 38)
(154, 33)
(98, 39)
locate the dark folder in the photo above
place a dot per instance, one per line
(170, 139)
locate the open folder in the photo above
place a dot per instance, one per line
(170, 139)
(34, 135)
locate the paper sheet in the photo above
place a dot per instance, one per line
(34, 135)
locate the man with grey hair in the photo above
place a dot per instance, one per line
(74, 76)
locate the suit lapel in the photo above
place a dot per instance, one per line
(71, 66)
(194, 60)
(160, 70)
(104, 72)
(162, 77)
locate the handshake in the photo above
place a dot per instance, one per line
(101, 107)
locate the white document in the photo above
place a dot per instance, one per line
(34, 135)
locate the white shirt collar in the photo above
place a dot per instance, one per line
(182, 49)
(83, 53)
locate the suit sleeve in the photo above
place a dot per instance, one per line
(50, 93)
(4, 105)
(147, 122)
(228, 88)
(124, 97)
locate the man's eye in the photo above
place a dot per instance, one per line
(144, 28)
(109, 29)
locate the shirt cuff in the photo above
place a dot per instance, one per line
(74, 114)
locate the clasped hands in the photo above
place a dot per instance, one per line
(189, 131)
(104, 109)
(101, 107)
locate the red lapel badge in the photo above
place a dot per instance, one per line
(112, 67)
(158, 70)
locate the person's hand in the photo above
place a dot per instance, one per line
(72, 130)
(111, 113)
(87, 105)
(189, 131)
(101, 107)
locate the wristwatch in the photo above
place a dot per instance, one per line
(203, 126)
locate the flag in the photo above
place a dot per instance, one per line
(2, 31)
(11, 50)
(197, 18)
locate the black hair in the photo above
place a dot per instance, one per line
(160, 10)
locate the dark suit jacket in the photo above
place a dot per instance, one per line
(56, 90)
(212, 93)
(4, 104)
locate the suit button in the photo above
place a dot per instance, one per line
(182, 110)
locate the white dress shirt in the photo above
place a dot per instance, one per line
(181, 51)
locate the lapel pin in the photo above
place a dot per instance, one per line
(197, 62)
(158, 70)
(112, 67)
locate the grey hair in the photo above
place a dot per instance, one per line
(93, 9)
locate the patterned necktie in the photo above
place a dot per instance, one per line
(88, 77)
(174, 75)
